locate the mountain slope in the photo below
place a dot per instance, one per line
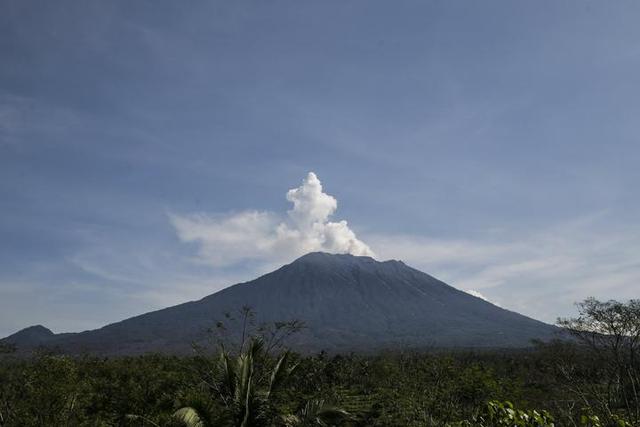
(347, 303)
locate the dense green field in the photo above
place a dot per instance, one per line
(401, 389)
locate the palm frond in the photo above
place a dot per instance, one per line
(279, 373)
(228, 375)
(189, 417)
(247, 405)
(244, 370)
(140, 417)
(318, 413)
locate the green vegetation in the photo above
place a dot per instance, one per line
(591, 382)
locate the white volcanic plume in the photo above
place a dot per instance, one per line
(254, 235)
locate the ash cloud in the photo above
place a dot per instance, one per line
(265, 236)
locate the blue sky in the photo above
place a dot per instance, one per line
(492, 144)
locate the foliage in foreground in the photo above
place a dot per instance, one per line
(557, 384)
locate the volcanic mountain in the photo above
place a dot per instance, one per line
(348, 303)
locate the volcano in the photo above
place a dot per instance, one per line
(348, 303)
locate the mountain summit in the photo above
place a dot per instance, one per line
(347, 303)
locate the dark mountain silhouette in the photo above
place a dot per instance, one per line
(31, 336)
(347, 303)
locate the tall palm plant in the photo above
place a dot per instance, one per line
(246, 395)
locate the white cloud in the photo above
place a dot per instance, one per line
(266, 237)
(310, 204)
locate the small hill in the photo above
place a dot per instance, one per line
(29, 337)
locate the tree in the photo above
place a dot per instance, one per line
(611, 330)
(237, 329)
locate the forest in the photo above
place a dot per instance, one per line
(251, 379)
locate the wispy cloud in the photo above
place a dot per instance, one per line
(538, 272)
(20, 116)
